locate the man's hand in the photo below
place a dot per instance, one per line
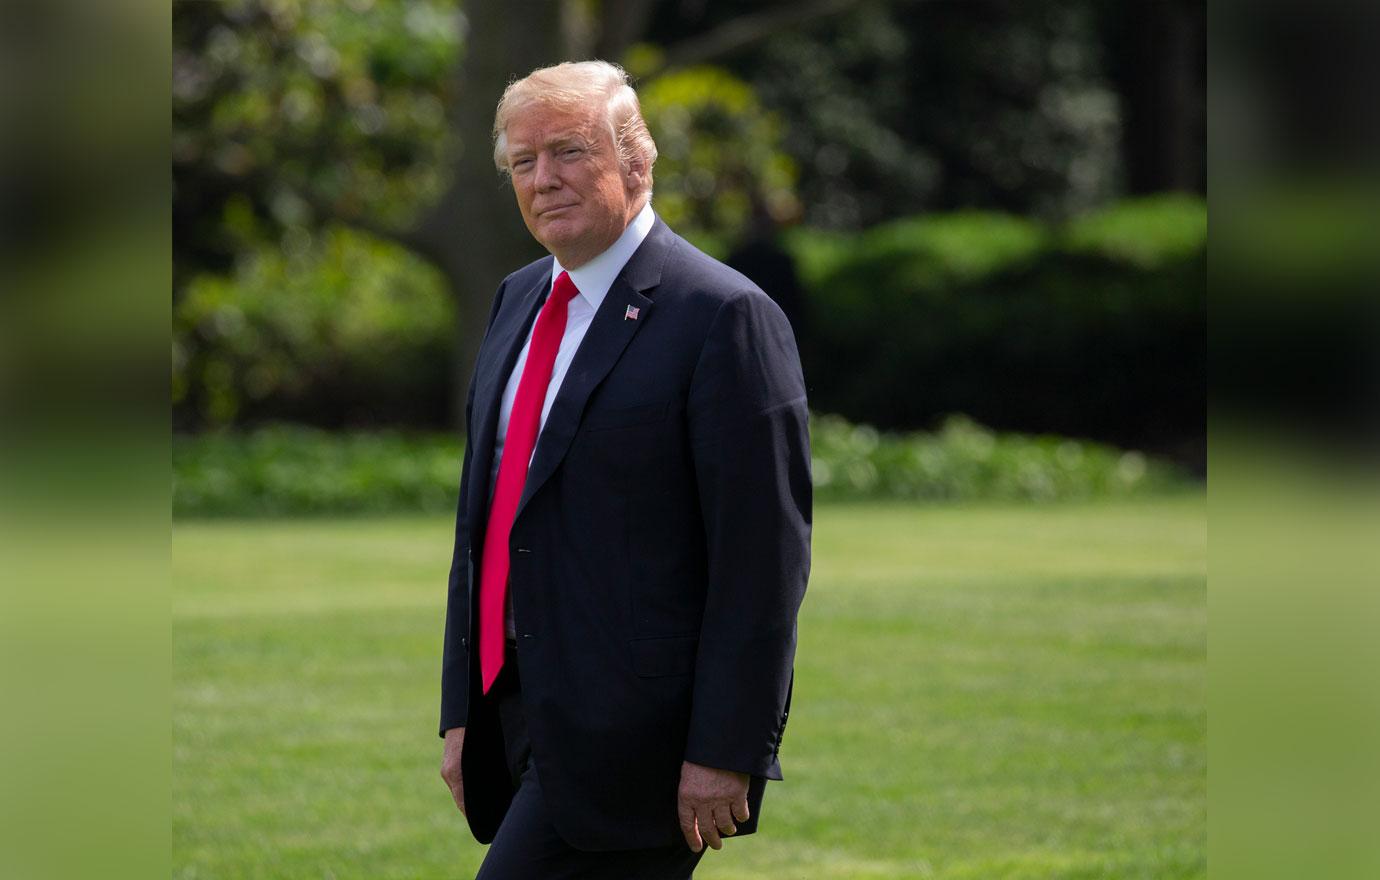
(708, 802)
(450, 765)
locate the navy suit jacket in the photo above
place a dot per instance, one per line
(658, 557)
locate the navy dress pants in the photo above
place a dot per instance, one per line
(528, 847)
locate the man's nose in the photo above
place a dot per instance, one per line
(546, 177)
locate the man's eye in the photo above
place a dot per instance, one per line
(572, 151)
(521, 163)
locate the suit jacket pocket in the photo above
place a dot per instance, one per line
(664, 655)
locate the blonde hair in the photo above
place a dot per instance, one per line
(576, 85)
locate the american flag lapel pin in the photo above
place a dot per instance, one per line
(630, 314)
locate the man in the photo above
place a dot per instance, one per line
(632, 539)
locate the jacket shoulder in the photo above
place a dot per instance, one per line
(708, 287)
(693, 269)
(705, 285)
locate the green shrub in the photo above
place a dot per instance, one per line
(1148, 232)
(1094, 329)
(718, 151)
(284, 469)
(291, 470)
(965, 462)
(340, 327)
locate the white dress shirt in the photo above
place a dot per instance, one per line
(593, 280)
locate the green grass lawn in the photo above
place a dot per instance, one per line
(981, 692)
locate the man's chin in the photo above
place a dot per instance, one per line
(557, 235)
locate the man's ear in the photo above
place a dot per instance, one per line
(635, 174)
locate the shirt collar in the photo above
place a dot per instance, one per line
(594, 278)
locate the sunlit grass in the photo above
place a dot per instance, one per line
(981, 692)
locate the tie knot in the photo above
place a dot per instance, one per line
(564, 288)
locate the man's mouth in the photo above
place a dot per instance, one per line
(546, 211)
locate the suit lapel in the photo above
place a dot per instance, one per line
(609, 333)
(492, 378)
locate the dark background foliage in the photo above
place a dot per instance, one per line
(952, 200)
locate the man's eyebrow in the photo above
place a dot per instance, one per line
(556, 141)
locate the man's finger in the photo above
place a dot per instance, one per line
(688, 827)
(740, 810)
(723, 821)
(708, 830)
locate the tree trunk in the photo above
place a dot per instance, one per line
(475, 234)
(1159, 61)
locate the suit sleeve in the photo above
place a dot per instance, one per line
(455, 663)
(749, 430)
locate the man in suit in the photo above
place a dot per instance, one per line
(633, 534)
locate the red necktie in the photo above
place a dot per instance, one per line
(523, 423)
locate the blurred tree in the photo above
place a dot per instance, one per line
(1045, 106)
(1157, 57)
(718, 154)
(292, 115)
(286, 113)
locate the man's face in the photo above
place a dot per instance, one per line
(574, 197)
